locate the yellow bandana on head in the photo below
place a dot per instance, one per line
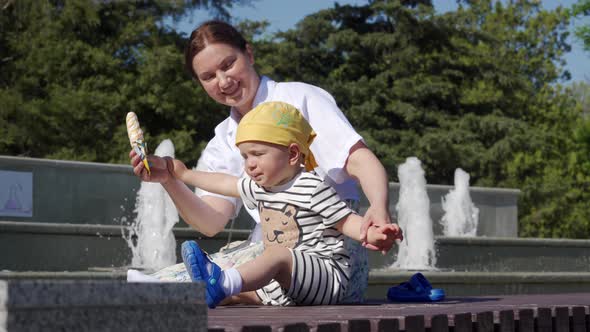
(278, 123)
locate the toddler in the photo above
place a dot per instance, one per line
(303, 220)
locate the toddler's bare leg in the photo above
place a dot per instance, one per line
(274, 263)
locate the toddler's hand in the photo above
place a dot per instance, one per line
(383, 237)
(176, 167)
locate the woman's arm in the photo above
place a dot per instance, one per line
(363, 166)
(339, 146)
(209, 215)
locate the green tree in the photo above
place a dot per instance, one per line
(71, 70)
(559, 194)
(556, 176)
(477, 88)
(582, 8)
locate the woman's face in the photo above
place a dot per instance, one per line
(227, 74)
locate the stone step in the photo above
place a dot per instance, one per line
(75, 247)
(455, 284)
(483, 283)
(106, 305)
(101, 305)
(488, 254)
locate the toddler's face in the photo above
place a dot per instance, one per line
(266, 163)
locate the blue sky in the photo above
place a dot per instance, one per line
(284, 14)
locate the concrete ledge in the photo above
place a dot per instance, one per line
(513, 254)
(497, 254)
(100, 193)
(384, 276)
(510, 241)
(17, 162)
(118, 274)
(484, 283)
(100, 230)
(77, 247)
(454, 283)
(89, 305)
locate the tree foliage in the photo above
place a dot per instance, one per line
(582, 8)
(478, 88)
(71, 70)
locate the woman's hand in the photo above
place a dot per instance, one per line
(159, 170)
(364, 166)
(374, 216)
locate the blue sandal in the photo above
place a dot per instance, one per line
(417, 289)
(196, 262)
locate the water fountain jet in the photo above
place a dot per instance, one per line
(150, 236)
(416, 252)
(461, 216)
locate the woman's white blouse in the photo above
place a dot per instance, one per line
(335, 137)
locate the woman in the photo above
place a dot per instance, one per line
(222, 61)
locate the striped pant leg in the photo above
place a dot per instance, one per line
(273, 294)
(316, 280)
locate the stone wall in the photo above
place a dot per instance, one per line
(95, 193)
(101, 305)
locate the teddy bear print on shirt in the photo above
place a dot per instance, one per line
(279, 226)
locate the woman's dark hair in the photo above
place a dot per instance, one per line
(211, 32)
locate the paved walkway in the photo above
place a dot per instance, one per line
(375, 316)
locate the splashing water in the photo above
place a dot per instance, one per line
(416, 251)
(461, 216)
(150, 237)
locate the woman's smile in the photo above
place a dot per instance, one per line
(233, 91)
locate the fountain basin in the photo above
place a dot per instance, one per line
(455, 284)
(72, 247)
(29, 246)
(467, 266)
(495, 254)
(100, 193)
